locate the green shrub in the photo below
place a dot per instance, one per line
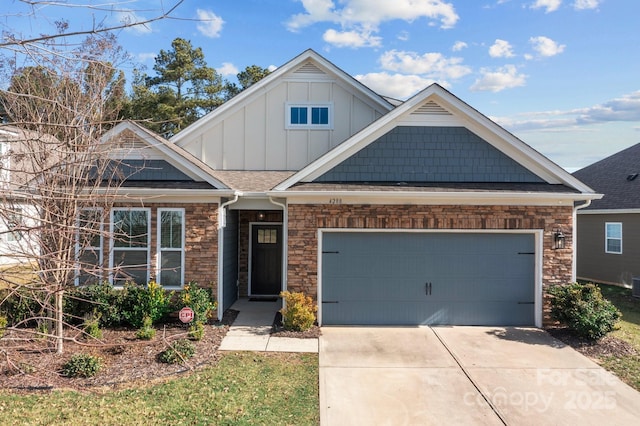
(82, 365)
(583, 309)
(139, 302)
(100, 298)
(199, 299)
(299, 311)
(3, 325)
(178, 352)
(91, 326)
(19, 305)
(147, 332)
(196, 331)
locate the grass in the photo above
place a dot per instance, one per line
(625, 367)
(244, 388)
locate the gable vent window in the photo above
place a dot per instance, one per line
(309, 116)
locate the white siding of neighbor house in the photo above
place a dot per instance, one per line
(252, 135)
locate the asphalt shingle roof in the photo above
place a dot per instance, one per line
(613, 177)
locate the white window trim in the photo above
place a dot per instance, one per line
(289, 105)
(607, 238)
(99, 249)
(160, 250)
(112, 246)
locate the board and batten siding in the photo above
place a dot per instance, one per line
(253, 136)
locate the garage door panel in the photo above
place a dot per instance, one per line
(428, 278)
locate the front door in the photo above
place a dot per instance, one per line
(266, 259)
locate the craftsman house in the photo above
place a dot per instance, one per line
(386, 212)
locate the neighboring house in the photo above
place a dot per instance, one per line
(420, 212)
(608, 244)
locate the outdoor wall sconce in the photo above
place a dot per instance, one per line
(558, 239)
(261, 216)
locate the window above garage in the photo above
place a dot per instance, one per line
(309, 116)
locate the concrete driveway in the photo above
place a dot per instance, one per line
(464, 376)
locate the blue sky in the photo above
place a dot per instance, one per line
(562, 75)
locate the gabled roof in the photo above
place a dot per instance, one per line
(307, 60)
(154, 146)
(617, 177)
(442, 108)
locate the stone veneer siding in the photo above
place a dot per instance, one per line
(304, 221)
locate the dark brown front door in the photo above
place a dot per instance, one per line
(266, 259)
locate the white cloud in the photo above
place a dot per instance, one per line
(228, 68)
(370, 13)
(129, 17)
(506, 77)
(351, 38)
(144, 57)
(459, 45)
(545, 47)
(272, 68)
(399, 86)
(432, 65)
(403, 36)
(585, 4)
(501, 49)
(623, 109)
(549, 5)
(210, 24)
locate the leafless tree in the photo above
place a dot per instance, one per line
(57, 174)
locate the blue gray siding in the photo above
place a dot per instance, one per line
(230, 260)
(149, 170)
(429, 154)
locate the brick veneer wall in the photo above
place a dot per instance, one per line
(304, 221)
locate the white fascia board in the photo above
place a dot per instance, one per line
(610, 211)
(239, 101)
(187, 196)
(432, 198)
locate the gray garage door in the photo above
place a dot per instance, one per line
(428, 278)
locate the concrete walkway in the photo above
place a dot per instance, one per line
(251, 331)
(464, 376)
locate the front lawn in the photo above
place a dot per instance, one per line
(627, 367)
(242, 388)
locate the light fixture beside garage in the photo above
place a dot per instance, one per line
(558, 239)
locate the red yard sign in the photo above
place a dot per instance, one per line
(186, 314)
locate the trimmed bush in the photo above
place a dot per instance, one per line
(196, 331)
(178, 352)
(92, 326)
(147, 332)
(299, 311)
(139, 302)
(583, 309)
(199, 299)
(101, 299)
(82, 365)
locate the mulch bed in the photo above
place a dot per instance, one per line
(32, 365)
(607, 346)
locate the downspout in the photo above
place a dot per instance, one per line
(222, 223)
(574, 236)
(285, 241)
